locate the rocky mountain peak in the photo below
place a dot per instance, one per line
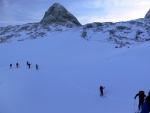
(147, 16)
(58, 14)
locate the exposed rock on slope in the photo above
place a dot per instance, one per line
(121, 33)
(59, 15)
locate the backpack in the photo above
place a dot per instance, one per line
(101, 87)
(141, 93)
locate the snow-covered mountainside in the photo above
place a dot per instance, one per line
(121, 33)
(70, 73)
(71, 69)
(58, 19)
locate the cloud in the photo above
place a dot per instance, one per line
(115, 10)
(118, 3)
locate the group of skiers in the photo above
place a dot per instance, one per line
(28, 64)
(144, 101)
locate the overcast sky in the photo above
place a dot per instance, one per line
(14, 12)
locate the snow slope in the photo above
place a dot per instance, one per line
(71, 70)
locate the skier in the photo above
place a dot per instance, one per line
(10, 66)
(146, 105)
(101, 90)
(17, 65)
(36, 67)
(142, 96)
(29, 65)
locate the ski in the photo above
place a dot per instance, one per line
(103, 96)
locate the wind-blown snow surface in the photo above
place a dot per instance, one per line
(71, 70)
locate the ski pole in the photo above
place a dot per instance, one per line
(134, 104)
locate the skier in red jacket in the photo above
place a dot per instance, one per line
(142, 96)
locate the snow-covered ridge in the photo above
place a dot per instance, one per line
(122, 33)
(58, 19)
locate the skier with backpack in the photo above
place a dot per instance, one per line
(146, 105)
(101, 90)
(142, 96)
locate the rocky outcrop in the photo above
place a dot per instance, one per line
(57, 14)
(147, 20)
(147, 16)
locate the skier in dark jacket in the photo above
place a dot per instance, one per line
(17, 65)
(141, 98)
(101, 90)
(146, 105)
(10, 66)
(37, 67)
(29, 65)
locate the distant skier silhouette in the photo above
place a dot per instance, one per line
(101, 90)
(10, 66)
(29, 65)
(37, 67)
(17, 65)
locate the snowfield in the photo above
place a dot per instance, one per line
(71, 69)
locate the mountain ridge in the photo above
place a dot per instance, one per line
(58, 19)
